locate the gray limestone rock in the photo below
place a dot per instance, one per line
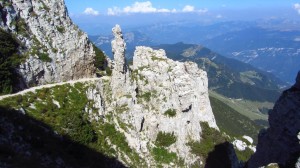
(49, 33)
(142, 93)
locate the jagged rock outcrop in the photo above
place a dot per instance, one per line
(280, 143)
(55, 49)
(155, 94)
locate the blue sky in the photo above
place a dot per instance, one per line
(102, 6)
(92, 14)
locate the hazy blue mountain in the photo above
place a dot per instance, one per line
(274, 51)
(270, 45)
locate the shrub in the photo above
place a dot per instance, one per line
(60, 29)
(165, 139)
(146, 96)
(108, 71)
(22, 27)
(170, 112)
(78, 128)
(45, 57)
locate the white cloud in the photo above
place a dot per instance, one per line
(188, 8)
(137, 7)
(147, 7)
(114, 11)
(219, 16)
(140, 7)
(297, 7)
(91, 11)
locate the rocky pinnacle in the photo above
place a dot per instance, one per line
(118, 49)
(119, 73)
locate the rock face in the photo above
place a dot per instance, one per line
(280, 143)
(55, 49)
(154, 95)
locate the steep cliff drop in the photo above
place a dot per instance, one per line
(280, 143)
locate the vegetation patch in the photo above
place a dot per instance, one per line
(146, 96)
(60, 29)
(165, 139)
(108, 71)
(210, 138)
(154, 58)
(67, 117)
(100, 59)
(244, 155)
(161, 155)
(170, 113)
(231, 121)
(45, 57)
(121, 109)
(10, 59)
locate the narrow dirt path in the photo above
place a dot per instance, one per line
(48, 86)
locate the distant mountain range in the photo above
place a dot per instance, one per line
(269, 45)
(274, 51)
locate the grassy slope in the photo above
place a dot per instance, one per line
(247, 108)
(231, 121)
(27, 142)
(62, 109)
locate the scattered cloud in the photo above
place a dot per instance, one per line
(138, 7)
(219, 16)
(297, 7)
(188, 8)
(147, 7)
(297, 39)
(91, 11)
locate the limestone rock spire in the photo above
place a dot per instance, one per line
(119, 73)
(118, 48)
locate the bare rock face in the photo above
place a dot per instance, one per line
(55, 49)
(181, 87)
(280, 143)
